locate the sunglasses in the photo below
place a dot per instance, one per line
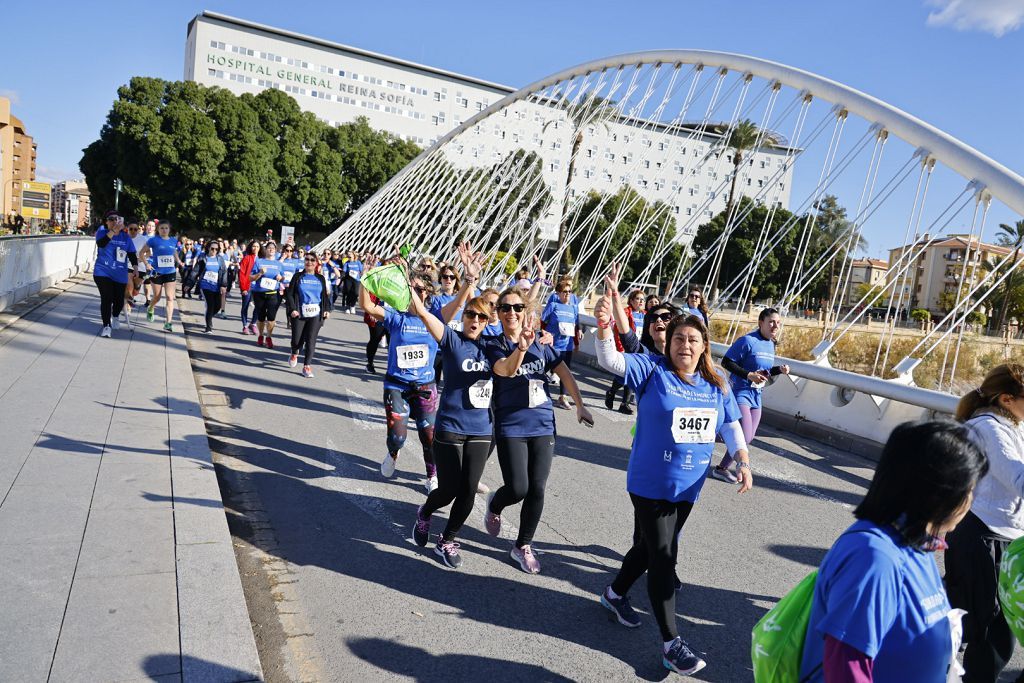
(694, 296)
(564, 291)
(311, 260)
(447, 277)
(505, 308)
(664, 317)
(476, 315)
(419, 290)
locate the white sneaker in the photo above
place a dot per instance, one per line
(387, 465)
(115, 324)
(106, 331)
(123, 315)
(430, 484)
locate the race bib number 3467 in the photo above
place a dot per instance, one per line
(694, 425)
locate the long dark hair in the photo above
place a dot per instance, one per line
(926, 473)
(1002, 379)
(646, 340)
(705, 366)
(703, 306)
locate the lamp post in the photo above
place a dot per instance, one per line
(118, 186)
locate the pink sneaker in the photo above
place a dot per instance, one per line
(252, 328)
(245, 330)
(307, 371)
(492, 522)
(527, 560)
(293, 360)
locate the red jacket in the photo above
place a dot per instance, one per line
(245, 272)
(632, 326)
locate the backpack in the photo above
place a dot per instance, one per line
(1011, 587)
(777, 641)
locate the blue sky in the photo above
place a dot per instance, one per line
(953, 63)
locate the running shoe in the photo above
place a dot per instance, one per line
(123, 316)
(222, 315)
(448, 551)
(115, 324)
(681, 659)
(259, 340)
(609, 399)
(252, 328)
(149, 314)
(492, 522)
(421, 528)
(270, 342)
(245, 329)
(723, 474)
(482, 488)
(307, 371)
(293, 360)
(625, 409)
(430, 484)
(208, 330)
(105, 332)
(387, 465)
(620, 607)
(562, 403)
(168, 327)
(370, 369)
(528, 562)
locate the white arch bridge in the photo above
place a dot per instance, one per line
(756, 181)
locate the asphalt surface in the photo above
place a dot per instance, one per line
(337, 590)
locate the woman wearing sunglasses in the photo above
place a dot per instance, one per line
(462, 435)
(409, 387)
(524, 421)
(211, 270)
(634, 317)
(695, 305)
(309, 305)
(561, 318)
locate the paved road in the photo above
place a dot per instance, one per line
(337, 591)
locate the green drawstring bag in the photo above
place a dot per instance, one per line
(389, 284)
(777, 642)
(1011, 587)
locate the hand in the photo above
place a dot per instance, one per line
(539, 267)
(746, 479)
(545, 338)
(784, 369)
(603, 310)
(755, 377)
(583, 415)
(527, 334)
(295, 314)
(611, 280)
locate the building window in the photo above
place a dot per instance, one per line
(462, 102)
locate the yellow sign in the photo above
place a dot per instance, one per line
(35, 200)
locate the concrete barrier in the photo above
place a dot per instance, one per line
(30, 264)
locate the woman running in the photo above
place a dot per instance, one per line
(138, 277)
(164, 249)
(524, 421)
(350, 284)
(212, 272)
(114, 251)
(245, 283)
(562, 319)
(309, 305)
(463, 432)
(751, 363)
(635, 311)
(266, 282)
(409, 388)
(683, 403)
(696, 305)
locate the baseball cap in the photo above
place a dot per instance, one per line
(111, 214)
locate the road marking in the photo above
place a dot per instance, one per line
(366, 413)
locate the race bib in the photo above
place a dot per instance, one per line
(121, 255)
(188, 260)
(354, 274)
(480, 393)
(165, 261)
(310, 310)
(694, 425)
(412, 356)
(538, 396)
(567, 329)
(210, 277)
(268, 283)
(287, 277)
(455, 325)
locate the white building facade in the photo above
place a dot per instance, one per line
(677, 165)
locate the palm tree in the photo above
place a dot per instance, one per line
(1012, 236)
(740, 139)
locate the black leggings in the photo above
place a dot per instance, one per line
(658, 522)
(377, 332)
(525, 466)
(460, 461)
(972, 571)
(111, 297)
(627, 393)
(265, 305)
(212, 306)
(349, 292)
(304, 332)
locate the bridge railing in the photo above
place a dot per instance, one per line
(29, 264)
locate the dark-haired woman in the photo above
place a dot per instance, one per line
(114, 251)
(994, 414)
(751, 363)
(211, 270)
(635, 313)
(695, 305)
(879, 611)
(252, 251)
(309, 305)
(683, 402)
(266, 281)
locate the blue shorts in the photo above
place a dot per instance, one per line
(749, 397)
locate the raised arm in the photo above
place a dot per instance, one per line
(539, 282)
(472, 264)
(375, 311)
(416, 307)
(611, 287)
(509, 365)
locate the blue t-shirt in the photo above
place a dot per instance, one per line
(211, 276)
(638, 319)
(289, 267)
(884, 598)
(752, 352)
(163, 250)
(439, 301)
(522, 406)
(112, 260)
(354, 269)
(466, 398)
(687, 310)
(560, 320)
(335, 270)
(492, 330)
(411, 350)
(309, 289)
(675, 429)
(268, 281)
(189, 256)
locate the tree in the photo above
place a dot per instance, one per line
(1013, 237)
(833, 229)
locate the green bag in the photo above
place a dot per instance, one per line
(777, 642)
(1011, 587)
(389, 284)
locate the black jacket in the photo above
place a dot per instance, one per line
(293, 298)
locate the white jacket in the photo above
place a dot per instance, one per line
(999, 496)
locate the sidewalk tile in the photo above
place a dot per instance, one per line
(124, 542)
(125, 486)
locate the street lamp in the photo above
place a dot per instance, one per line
(118, 186)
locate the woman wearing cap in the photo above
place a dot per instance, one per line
(212, 271)
(266, 282)
(167, 260)
(994, 416)
(308, 304)
(524, 421)
(114, 251)
(751, 363)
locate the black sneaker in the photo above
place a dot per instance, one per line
(420, 529)
(609, 399)
(625, 409)
(448, 551)
(370, 369)
(620, 607)
(681, 659)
